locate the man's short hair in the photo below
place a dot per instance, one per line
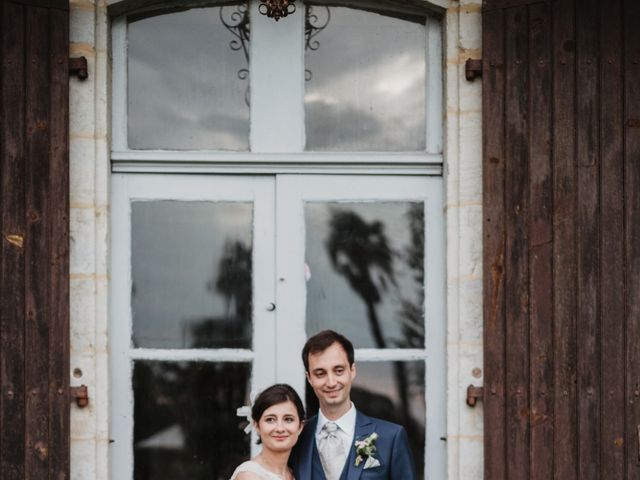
(319, 342)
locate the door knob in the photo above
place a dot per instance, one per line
(271, 307)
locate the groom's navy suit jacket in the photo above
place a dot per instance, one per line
(392, 451)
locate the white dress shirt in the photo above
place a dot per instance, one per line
(346, 427)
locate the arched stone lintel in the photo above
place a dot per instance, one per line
(119, 7)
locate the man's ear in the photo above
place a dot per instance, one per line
(353, 370)
(306, 374)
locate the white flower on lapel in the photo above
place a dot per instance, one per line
(366, 448)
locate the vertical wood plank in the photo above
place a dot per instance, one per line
(58, 199)
(588, 241)
(612, 240)
(12, 436)
(37, 243)
(565, 440)
(632, 233)
(541, 243)
(493, 244)
(517, 243)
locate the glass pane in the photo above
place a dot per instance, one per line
(393, 391)
(185, 423)
(365, 86)
(188, 80)
(191, 267)
(365, 270)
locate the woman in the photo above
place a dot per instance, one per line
(278, 419)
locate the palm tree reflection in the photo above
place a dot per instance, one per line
(361, 252)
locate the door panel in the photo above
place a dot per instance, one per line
(364, 255)
(191, 335)
(220, 280)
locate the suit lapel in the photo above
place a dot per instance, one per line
(364, 428)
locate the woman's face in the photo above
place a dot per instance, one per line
(279, 426)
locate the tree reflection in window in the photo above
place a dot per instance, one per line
(360, 251)
(233, 283)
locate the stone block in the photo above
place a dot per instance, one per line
(82, 171)
(470, 20)
(101, 313)
(83, 465)
(471, 310)
(82, 240)
(81, 22)
(470, 243)
(82, 312)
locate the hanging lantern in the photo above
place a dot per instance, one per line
(276, 9)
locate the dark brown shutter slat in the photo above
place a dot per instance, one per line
(565, 444)
(540, 243)
(612, 250)
(37, 243)
(588, 240)
(517, 242)
(12, 434)
(493, 81)
(58, 186)
(632, 234)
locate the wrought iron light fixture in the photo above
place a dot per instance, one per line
(277, 9)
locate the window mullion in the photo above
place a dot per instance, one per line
(277, 83)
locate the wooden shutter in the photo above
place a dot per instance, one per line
(561, 100)
(34, 253)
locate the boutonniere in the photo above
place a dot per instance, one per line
(366, 448)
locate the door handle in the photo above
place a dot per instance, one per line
(271, 307)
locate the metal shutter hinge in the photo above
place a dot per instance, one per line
(474, 394)
(80, 395)
(78, 67)
(472, 69)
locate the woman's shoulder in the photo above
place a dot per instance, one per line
(251, 470)
(246, 475)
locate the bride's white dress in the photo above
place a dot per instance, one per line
(256, 468)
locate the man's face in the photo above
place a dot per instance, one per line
(331, 376)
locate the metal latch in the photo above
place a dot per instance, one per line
(472, 69)
(78, 67)
(474, 394)
(80, 395)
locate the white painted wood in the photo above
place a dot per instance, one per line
(272, 169)
(290, 289)
(435, 332)
(337, 158)
(121, 428)
(161, 161)
(277, 82)
(193, 355)
(292, 192)
(126, 188)
(434, 86)
(119, 84)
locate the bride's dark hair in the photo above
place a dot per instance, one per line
(275, 394)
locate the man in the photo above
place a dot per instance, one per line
(338, 443)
